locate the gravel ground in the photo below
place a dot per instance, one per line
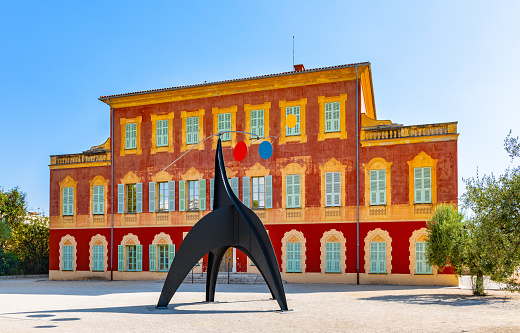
(36, 304)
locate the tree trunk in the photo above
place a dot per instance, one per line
(478, 289)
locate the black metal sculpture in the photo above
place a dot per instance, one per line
(230, 224)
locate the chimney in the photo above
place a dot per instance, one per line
(299, 68)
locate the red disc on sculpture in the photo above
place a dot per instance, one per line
(240, 151)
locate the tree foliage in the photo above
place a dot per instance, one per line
(488, 241)
(13, 207)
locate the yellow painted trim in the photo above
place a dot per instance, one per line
(257, 170)
(192, 174)
(333, 165)
(366, 121)
(216, 111)
(368, 93)
(102, 239)
(302, 138)
(195, 113)
(123, 122)
(247, 86)
(409, 140)
(343, 248)
(72, 241)
(162, 176)
(154, 118)
(420, 161)
(78, 165)
(378, 163)
(294, 234)
(342, 134)
(247, 109)
(372, 236)
(69, 182)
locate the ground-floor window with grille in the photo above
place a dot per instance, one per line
(294, 257)
(332, 257)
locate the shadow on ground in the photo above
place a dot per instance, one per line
(455, 300)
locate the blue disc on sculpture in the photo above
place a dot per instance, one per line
(265, 150)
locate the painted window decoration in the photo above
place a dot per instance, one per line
(333, 189)
(332, 257)
(162, 133)
(421, 266)
(68, 201)
(131, 136)
(257, 123)
(422, 185)
(293, 191)
(98, 253)
(192, 130)
(67, 257)
(98, 199)
(224, 124)
(378, 257)
(294, 264)
(378, 187)
(332, 117)
(295, 110)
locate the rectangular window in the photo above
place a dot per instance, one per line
(67, 257)
(332, 115)
(258, 192)
(98, 199)
(192, 130)
(332, 257)
(131, 258)
(163, 258)
(162, 133)
(333, 189)
(131, 198)
(422, 185)
(68, 201)
(293, 191)
(131, 136)
(98, 258)
(378, 257)
(295, 110)
(378, 187)
(224, 124)
(193, 195)
(421, 266)
(257, 123)
(162, 197)
(294, 258)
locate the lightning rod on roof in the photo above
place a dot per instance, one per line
(293, 51)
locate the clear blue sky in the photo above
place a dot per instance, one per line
(432, 61)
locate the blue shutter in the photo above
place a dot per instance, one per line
(382, 257)
(234, 186)
(101, 199)
(182, 196)
(171, 254)
(382, 187)
(418, 182)
(269, 191)
(328, 189)
(65, 201)
(297, 257)
(95, 199)
(290, 257)
(139, 197)
(328, 257)
(427, 185)
(120, 258)
(151, 197)
(127, 136)
(139, 260)
(337, 257)
(171, 196)
(211, 190)
(296, 129)
(337, 189)
(289, 191)
(152, 257)
(202, 194)
(245, 192)
(120, 198)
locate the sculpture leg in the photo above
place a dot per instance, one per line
(211, 280)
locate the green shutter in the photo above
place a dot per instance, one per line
(202, 194)
(257, 123)
(328, 189)
(337, 257)
(152, 257)
(120, 258)
(418, 182)
(171, 254)
(192, 130)
(245, 192)
(290, 257)
(427, 185)
(332, 117)
(289, 191)
(139, 197)
(373, 187)
(95, 200)
(337, 189)
(139, 261)
(151, 197)
(297, 191)
(171, 196)
(68, 201)
(120, 198)
(128, 129)
(234, 186)
(211, 190)
(182, 196)
(382, 257)
(328, 257)
(98, 252)
(378, 187)
(224, 124)
(269, 191)
(382, 186)
(162, 133)
(131, 136)
(297, 257)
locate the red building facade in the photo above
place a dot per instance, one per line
(121, 209)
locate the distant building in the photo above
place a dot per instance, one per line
(306, 193)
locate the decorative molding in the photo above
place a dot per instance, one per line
(195, 113)
(154, 118)
(422, 160)
(302, 138)
(123, 121)
(342, 134)
(69, 240)
(216, 111)
(247, 109)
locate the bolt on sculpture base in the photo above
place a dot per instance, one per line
(230, 224)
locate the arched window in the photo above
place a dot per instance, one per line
(418, 264)
(162, 252)
(130, 254)
(293, 252)
(68, 253)
(378, 252)
(98, 253)
(333, 246)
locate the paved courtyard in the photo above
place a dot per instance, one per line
(36, 304)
